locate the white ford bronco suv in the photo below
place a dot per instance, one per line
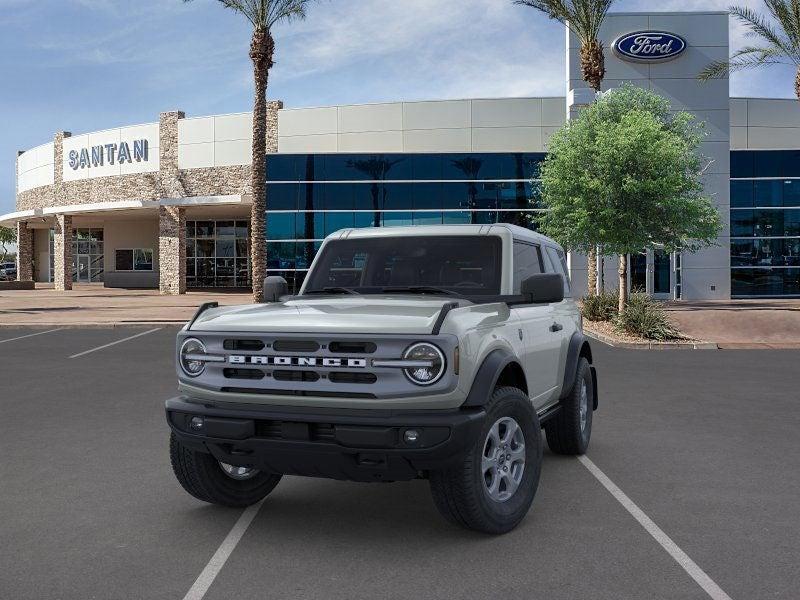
(435, 352)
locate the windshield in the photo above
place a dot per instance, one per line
(466, 265)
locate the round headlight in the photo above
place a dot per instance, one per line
(426, 353)
(192, 367)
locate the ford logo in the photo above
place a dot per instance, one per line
(649, 46)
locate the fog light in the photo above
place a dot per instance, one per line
(411, 436)
(196, 424)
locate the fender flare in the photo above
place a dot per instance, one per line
(578, 346)
(487, 375)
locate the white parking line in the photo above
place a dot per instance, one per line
(688, 565)
(22, 337)
(115, 343)
(214, 566)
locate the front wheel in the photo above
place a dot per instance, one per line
(493, 486)
(210, 480)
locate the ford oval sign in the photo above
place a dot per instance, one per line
(649, 46)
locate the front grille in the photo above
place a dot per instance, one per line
(243, 345)
(295, 346)
(353, 347)
(345, 377)
(311, 393)
(295, 376)
(243, 373)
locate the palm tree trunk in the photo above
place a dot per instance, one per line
(623, 282)
(797, 84)
(593, 67)
(261, 51)
(593, 70)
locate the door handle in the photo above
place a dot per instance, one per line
(556, 327)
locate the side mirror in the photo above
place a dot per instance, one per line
(544, 288)
(275, 286)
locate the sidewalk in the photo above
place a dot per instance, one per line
(740, 323)
(91, 305)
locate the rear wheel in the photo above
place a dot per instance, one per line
(210, 480)
(493, 486)
(570, 430)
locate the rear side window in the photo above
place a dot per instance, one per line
(527, 262)
(559, 261)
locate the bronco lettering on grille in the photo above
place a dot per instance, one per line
(298, 361)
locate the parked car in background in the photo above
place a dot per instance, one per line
(8, 271)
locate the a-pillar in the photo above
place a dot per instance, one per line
(172, 250)
(24, 252)
(62, 253)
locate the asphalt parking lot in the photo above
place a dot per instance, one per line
(705, 443)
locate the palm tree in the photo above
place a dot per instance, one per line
(584, 19)
(263, 15)
(780, 41)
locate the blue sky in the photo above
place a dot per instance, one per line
(84, 65)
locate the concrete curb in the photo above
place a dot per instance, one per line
(650, 345)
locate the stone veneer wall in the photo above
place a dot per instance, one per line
(24, 252)
(172, 250)
(62, 250)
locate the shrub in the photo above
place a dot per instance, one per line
(645, 318)
(602, 307)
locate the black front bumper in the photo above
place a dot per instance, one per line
(357, 445)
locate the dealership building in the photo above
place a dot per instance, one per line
(167, 204)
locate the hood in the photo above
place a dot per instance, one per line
(340, 314)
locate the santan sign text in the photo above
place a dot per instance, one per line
(97, 156)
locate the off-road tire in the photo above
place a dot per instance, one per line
(564, 432)
(459, 492)
(201, 475)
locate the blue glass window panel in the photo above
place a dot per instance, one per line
(742, 194)
(742, 164)
(791, 192)
(768, 223)
(515, 195)
(396, 219)
(791, 222)
(765, 282)
(311, 196)
(311, 167)
(226, 248)
(398, 167)
(281, 255)
(457, 217)
(341, 167)
(768, 163)
(339, 196)
(768, 193)
(281, 226)
(367, 196)
(336, 221)
(484, 217)
(306, 251)
(790, 163)
(283, 167)
(465, 167)
(426, 166)
(530, 163)
(455, 195)
(367, 219)
(484, 195)
(282, 196)
(426, 195)
(427, 218)
(396, 196)
(310, 226)
(742, 223)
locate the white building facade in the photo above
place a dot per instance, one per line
(167, 204)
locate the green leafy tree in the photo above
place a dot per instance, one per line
(584, 19)
(8, 236)
(263, 15)
(778, 40)
(627, 174)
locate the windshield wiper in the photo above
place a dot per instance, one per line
(419, 289)
(332, 290)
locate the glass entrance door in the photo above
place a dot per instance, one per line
(83, 269)
(662, 272)
(651, 272)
